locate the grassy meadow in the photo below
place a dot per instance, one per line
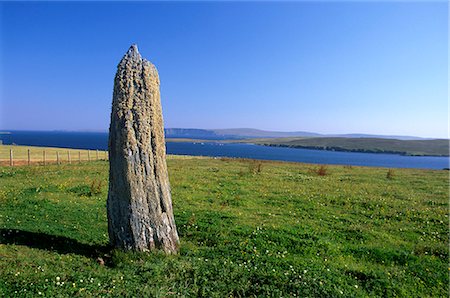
(247, 229)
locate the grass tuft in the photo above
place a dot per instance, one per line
(390, 174)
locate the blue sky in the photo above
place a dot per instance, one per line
(327, 67)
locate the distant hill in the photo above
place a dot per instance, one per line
(437, 147)
(257, 133)
(359, 135)
(191, 133)
(232, 133)
(248, 133)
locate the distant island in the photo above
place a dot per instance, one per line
(366, 143)
(439, 147)
(251, 133)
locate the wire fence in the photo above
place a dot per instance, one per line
(20, 156)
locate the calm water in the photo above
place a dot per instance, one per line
(100, 141)
(309, 156)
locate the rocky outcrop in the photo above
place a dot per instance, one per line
(139, 205)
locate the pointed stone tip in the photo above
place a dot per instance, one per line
(133, 49)
(133, 52)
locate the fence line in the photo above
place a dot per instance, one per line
(19, 156)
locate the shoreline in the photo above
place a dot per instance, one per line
(322, 148)
(340, 149)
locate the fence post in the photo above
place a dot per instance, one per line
(89, 155)
(29, 159)
(57, 157)
(43, 156)
(68, 157)
(11, 162)
(79, 156)
(96, 154)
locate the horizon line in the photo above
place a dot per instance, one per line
(7, 131)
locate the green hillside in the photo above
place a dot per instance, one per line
(438, 147)
(247, 229)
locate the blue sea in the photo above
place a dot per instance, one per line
(91, 140)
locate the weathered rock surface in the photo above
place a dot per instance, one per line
(140, 215)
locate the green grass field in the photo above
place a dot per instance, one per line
(247, 228)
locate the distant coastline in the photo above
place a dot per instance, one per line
(438, 147)
(99, 140)
(248, 148)
(404, 153)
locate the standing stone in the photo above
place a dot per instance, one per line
(140, 215)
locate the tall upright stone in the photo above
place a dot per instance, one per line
(140, 215)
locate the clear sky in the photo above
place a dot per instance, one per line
(327, 67)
